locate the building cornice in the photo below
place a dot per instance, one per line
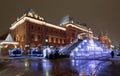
(6, 42)
(14, 25)
(23, 19)
(86, 30)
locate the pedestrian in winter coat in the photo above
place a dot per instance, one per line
(112, 54)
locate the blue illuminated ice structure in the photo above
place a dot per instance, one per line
(35, 52)
(15, 52)
(90, 49)
(47, 51)
(68, 48)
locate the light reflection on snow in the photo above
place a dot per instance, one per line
(45, 67)
(85, 68)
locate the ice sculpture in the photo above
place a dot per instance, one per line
(90, 48)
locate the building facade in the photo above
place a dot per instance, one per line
(104, 40)
(31, 30)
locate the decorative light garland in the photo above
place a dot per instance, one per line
(35, 21)
(9, 43)
(79, 28)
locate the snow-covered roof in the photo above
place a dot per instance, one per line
(9, 40)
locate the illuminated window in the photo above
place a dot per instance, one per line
(63, 41)
(22, 38)
(58, 40)
(36, 38)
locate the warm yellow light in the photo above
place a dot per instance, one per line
(46, 40)
(9, 43)
(49, 39)
(30, 14)
(36, 16)
(58, 41)
(6, 46)
(15, 46)
(79, 28)
(62, 41)
(36, 39)
(35, 21)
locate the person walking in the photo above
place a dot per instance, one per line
(112, 54)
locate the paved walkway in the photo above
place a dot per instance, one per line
(110, 68)
(115, 58)
(4, 57)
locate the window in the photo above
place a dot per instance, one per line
(64, 40)
(52, 40)
(60, 40)
(32, 27)
(73, 35)
(56, 40)
(46, 37)
(72, 40)
(46, 29)
(32, 36)
(38, 37)
(38, 28)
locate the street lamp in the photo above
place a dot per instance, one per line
(46, 51)
(0, 49)
(46, 41)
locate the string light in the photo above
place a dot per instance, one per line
(35, 21)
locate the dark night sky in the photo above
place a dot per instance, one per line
(101, 15)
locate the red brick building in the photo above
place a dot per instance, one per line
(104, 40)
(32, 30)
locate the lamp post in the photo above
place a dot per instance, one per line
(0, 49)
(46, 51)
(46, 41)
